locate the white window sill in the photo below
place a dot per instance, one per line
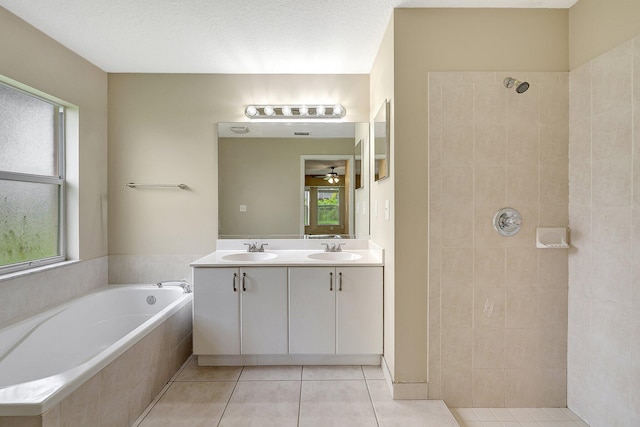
(36, 270)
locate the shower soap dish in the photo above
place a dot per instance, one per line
(551, 238)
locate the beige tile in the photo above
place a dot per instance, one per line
(490, 185)
(552, 384)
(114, 379)
(522, 267)
(373, 372)
(456, 387)
(408, 413)
(488, 388)
(315, 373)
(485, 236)
(522, 308)
(435, 185)
(554, 143)
(489, 308)
(490, 103)
(264, 403)
(457, 186)
(552, 308)
(457, 103)
(611, 74)
(554, 184)
(457, 267)
(82, 407)
(525, 107)
(522, 348)
(553, 349)
(457, 348)
(522, 388)
(490, 144)
(522, 143)
(580, 93)
(461, 234)
(580, 163)
(51, 418)
(193, 372)
(553, 268)
(457, 145)
(271, 373)
(7, 421)
(611, 235)
(523, 184)
(457, 307)
(554, 103)
(489, 267)
(489, 348)
(190, 404)
(325, 403)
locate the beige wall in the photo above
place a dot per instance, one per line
(264, 175)
(162, 129)
(604, 263)
(382, 231)
(599, 25)
(446, 39)
(498, 305)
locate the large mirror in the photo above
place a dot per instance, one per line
(382, 140)
(293, 180)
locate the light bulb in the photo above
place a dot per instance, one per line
(251, 111)
(303, 110)
(338, 110)
(286, 110)
(269, 111)
(320, 110)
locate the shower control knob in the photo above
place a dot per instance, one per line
(507, 221)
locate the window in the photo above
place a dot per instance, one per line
(328, 206)
(31, 180)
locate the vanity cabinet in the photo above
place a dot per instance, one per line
(240, 311)
(335, 310)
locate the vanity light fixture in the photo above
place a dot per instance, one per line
(295, 111)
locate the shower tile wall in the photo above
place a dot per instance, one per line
(498, 305)
(604, 263)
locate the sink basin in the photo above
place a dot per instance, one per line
(335, 256)
(250, 256)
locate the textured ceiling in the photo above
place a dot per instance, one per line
(225, 36)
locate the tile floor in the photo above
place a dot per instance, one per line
(281, 396)
(517, 417)
(317, 396)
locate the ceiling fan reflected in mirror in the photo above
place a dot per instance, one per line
(332, 176)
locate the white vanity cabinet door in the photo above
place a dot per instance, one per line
(359, 310)
(264, 310)
(216, 311)
(312, 310)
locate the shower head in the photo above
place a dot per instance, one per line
(521, 87)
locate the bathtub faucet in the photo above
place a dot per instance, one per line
(182, 283)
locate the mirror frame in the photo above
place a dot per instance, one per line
(382, 138)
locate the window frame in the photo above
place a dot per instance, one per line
(59, 180)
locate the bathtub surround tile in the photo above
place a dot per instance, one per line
(30, 293)
(82, 407)
(520, 159)
(127, 269)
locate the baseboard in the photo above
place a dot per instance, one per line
(289, 359)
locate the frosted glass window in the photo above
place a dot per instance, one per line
(28, 133)
(31, 180)
(29, 221)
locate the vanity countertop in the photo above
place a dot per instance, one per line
(230, 255)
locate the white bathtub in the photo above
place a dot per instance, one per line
(45, 358)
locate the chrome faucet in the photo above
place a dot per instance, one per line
(182, 283)
(253, 247)
(333, 248)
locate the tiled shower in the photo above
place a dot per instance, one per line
(497, 305)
